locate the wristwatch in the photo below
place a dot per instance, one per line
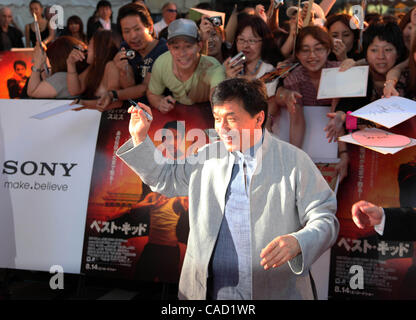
(36, 70)
(115, 95)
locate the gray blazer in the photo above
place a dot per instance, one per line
(288, 195)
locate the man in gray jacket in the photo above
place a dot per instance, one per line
(260, 212)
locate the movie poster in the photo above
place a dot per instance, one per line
(132, 232)
(15, 68)
(388, 267)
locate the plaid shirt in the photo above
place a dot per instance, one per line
(299, 80)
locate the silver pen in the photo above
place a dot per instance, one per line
(148, 116)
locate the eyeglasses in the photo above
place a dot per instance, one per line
(171, 10)
(250, 42)
(317, 51)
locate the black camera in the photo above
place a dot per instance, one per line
(80, 48)
(216, 21)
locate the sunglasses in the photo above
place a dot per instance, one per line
(171, 10)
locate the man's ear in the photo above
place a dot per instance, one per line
(260, 119)
(200, 45)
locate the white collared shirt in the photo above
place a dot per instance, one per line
(106, 25)
(159, 26)
(379, 228)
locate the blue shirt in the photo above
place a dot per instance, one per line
(230, 269)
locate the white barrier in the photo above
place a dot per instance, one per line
(45, 172)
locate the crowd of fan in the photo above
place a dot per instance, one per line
(179, 61)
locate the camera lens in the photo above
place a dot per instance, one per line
(130, 54)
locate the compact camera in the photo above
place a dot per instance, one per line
(130, 54)
(80, 48)
(216, 21)
(237, 59)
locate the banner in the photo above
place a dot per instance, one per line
(15, 68)
(362, 265)
(45, 176)
(132, 232)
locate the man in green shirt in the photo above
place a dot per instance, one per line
(189, 76)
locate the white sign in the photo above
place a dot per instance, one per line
(349, 83)
(45, 173)
(315, 143)
(387, 112)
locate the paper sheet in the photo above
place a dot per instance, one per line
(55, 111)
(387, 112)
(350, 83)
(349, 139)
(315, 143)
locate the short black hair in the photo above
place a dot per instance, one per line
(389, 32)
(103, 3)
(134, 9)
(252, 94)
(17, 62)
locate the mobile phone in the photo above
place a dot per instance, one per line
(148, 116)
(237, 59)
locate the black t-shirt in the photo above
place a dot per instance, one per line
(143, 65)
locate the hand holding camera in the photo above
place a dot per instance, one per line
(340, 50)
(78, 53)
(216, 21)
(235, 65)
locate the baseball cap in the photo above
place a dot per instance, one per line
(183, 28)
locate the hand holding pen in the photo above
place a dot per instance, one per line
(148, 116)
(139, 122)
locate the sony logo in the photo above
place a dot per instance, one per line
(30, 168)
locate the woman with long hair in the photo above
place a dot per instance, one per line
(411, 83)
(75, 28)
(101, 74)
(52, 85)
(344, 37)
(408, 26)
